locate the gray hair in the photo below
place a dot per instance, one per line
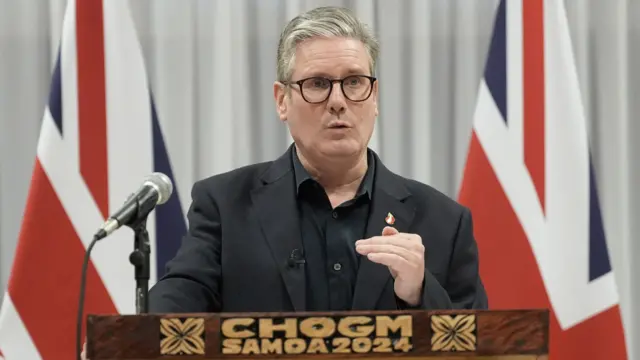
(326, 21)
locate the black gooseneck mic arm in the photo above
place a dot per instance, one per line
(139, 258)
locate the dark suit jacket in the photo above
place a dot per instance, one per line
(243, 226)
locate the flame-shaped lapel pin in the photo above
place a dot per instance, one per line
(390, 219)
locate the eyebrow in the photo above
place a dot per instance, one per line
(349, 72)
(326, 75)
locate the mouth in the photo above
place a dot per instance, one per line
(339, 125)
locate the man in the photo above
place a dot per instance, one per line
(326, 226)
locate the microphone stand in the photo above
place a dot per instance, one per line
(139, 258)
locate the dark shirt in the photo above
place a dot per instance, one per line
(328, 238)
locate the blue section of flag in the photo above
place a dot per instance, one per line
(55, 96)
(495, 72)
(170, 223)
(599, 263)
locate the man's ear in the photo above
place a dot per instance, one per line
(280, 96)
(375, 96)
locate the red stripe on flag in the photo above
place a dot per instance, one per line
(45, 279)
(533, 88)
(514, 281)
(91, 101)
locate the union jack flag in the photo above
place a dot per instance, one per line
(100, 137)
(530, 184)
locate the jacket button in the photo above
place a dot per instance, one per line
(337, 266)
(334, 214)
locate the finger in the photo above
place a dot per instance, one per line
(389, 230)
(407, 254)
(395, 263)
(405, 236)
(386, 239)
(406, 241)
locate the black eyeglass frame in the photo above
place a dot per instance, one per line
(372, 80)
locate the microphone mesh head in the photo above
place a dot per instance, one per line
(164, 185)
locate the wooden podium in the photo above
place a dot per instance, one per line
(402, 335)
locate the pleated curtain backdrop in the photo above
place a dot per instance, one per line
(211, 65)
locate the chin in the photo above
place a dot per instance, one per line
(341, 148)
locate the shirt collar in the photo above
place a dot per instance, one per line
(366, 186)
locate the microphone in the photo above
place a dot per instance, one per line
(155, 190)
(296, 258)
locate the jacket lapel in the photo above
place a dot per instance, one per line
(276, 207)
(389, 197)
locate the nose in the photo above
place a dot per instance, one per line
(337, 103)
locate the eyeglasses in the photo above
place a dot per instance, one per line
(317, 89)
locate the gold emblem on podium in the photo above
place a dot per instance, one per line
(182, 336)
(453, 333)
